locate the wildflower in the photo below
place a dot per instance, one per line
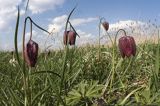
(69, 37)
(31, 53)
(13, 62)
(105, 25)
(127, 46)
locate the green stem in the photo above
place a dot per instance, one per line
(68, 22)
(36, 24)
(99, 45)
(15, 39)
(129, 64)
(113, 63)
(66, 52)
(113, 67)
(101, 19)
(25, 74)
(24, 67)
(117, 34)
(26, 6)
(113, 57)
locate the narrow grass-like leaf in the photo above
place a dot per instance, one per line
(157, 62)
(6, 98)
(15, 37)
(14, 98)
(75, 75)
(156, 96)
(73, 29)
(66, 52)
(39, 94)
(59, 98)
(49, 72)
(27, 6)
(125, 99)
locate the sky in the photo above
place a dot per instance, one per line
(52, 14)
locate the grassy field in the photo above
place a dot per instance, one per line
(84, 76)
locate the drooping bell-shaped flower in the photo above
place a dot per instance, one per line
(105, 25)
(31, 53)
(127, 46)
(69, 37)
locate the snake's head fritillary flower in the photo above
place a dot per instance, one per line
(105, 25)
(31, 53)
(127, 46)
(69, 37)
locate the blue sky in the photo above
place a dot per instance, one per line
(85, 18)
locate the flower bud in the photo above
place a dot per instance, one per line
(127, 46)
(69, 37)
(31, 53)
(105, 25)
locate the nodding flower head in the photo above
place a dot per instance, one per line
(105, 25)
(31, 53)
(127, 46)
(69, 37)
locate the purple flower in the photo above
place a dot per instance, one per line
(31, 53)
(69, 37)
(105, 25)
(127, 46)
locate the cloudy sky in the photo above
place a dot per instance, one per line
(52, 14)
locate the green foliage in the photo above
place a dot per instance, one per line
(84, 93)
(86, 80)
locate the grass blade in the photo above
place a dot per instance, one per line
(15, 38)
(157, 58)
(50, 72)
(125, 99)
(39, 94)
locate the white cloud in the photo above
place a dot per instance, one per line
(8, 11)
(85, 38)
(126, 24)
(9, 3)
(80, 21)
(60, 19)
(58, 23)
(38, 6)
